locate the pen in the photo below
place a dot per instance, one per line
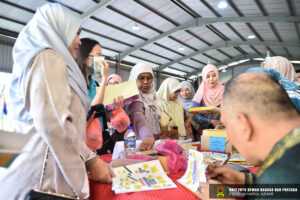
(225, 160)
(127, 169)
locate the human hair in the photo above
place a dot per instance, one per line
(258, 94)
(86, 47)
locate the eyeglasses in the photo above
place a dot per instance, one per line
(144, 78)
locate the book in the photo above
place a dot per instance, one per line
(143, 176)
(126, 89)
(195, 172)
(205, 110)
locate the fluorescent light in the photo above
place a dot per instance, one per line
(259, 59)
(251, 36)
(135, 27)
(222, 4)
(181, 48)
(295, 61)
(232, 64)
(242, 61)
(224, 70)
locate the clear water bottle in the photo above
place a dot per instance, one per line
(129, 142)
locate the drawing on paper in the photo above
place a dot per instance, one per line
(195, 172)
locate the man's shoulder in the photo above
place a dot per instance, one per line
(285, 170)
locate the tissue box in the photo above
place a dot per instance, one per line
(215, 140)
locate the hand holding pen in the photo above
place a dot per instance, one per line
(224, 173)
(227, 157)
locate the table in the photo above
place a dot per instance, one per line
(103, 191)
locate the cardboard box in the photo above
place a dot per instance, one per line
(215, 140)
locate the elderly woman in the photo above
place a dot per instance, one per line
(281, 65)
(209, 94)
(144, 112)
(49, 99)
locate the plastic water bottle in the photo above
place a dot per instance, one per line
(129, 142)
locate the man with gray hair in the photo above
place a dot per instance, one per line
(264, 126)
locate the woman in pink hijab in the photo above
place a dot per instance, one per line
(208, 94)
(114, 79)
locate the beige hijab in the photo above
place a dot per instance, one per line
(174, 109)
(282, 65)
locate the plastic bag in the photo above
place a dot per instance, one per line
(120, 120)
(175, 155)
(94, 138)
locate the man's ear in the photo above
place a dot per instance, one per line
(245, 125)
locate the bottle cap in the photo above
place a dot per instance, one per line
(130, 128)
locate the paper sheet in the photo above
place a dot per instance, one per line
(217, 143)
(141, 177)
(126, 89)
(195, 172)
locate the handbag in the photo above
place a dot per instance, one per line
(44, 195)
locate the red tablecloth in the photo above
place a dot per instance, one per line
(103, 191)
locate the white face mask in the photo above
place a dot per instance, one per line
(95, 68)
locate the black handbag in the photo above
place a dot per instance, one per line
(43, 195)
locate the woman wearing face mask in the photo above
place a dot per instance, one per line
(144, 113)
(88, 50)
(49, 99)
(209, 94)
(167, 97)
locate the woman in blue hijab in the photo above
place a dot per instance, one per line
(186, 94)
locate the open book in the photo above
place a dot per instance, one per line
(195, 172)
(141, 177)
(205, 110)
